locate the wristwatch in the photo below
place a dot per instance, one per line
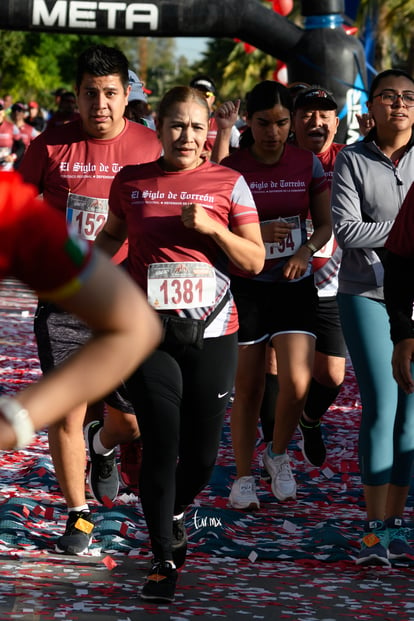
(311, 247)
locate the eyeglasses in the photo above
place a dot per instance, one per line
(389, 97)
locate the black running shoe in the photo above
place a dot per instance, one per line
(160, 583)
(179, 542)
(103, 477)
(398, 546)
(313, 447)
(78, 534)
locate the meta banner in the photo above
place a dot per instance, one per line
(247, 20)
(92, 15)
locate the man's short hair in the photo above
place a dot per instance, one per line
(101, 60)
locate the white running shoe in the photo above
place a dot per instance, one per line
(243, 494)
(283, 481)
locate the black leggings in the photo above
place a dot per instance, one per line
(180, 397)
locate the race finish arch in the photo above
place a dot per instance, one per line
(321, 52)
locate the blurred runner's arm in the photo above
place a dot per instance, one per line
(125, 331)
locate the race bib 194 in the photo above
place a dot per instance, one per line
(288, 246)
(181, 285)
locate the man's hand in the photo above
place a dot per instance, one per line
(227, 114)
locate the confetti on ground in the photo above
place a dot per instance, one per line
(292, 560)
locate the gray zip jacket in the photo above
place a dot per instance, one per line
(367, 193)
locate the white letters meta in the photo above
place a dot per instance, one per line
(83, 14)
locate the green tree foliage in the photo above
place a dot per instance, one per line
(394, 35)
(215, 60)
(153, 59)
(244, 70)
(234, 70)
(34, 64)
(161, 66)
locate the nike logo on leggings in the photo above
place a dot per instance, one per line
(222, 394)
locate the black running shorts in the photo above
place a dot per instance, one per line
(329, 337)
(267, 309)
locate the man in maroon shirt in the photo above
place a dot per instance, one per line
(73, 166)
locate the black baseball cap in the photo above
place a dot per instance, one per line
(315, 97)
(203, 83)
(18, 107)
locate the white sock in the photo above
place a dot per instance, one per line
(78, 509)
(271, 453)
(98, 447)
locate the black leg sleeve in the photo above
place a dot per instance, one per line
(320, 399)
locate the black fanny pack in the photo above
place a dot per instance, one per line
(188, 331)
(183, 331)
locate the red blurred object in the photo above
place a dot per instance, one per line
(283, 7)
(280, 72)
(247, 47)
(351, 30)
